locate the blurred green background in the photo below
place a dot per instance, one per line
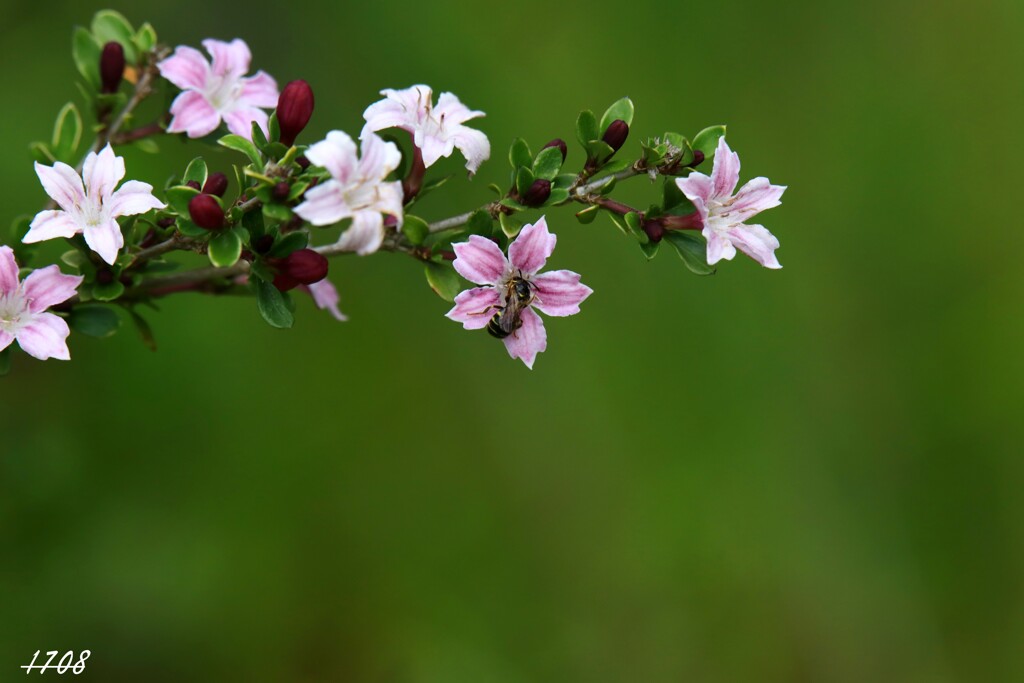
(806, 475)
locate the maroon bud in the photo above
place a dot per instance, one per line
(294, 108)
(538, 192)
(615, 136)
(216, 184)
(166, 222)
(104, 276)
(281, 191)
(305, 266)
(655, 230)
(111, 67)
(263, 243)
(206, 212)
(303, 162)
(194, 184)
(285, 282)
(698, 158)
(560, 144)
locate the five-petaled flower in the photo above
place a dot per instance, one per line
(436, 130)
(23, 314)
(91, 210)
(356, 189)
(556, 293)
(211, 93)
(724, 214)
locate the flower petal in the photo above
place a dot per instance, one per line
(240, 120)
(48, 225)
(719, 247)
(102, 172)
(259, 90)
(695, 186)
(398, 109)
(379, 158)
(756, 242)
(5, 339)
(433, 147)
(474, 145)
(529, 340)
(364, 235)
(453, 111)
(132, 198)
(480, 260)
(62, 183)
(559, 292)
(105, 239)
(726, 173)
(193, 115)
(229, 58)
(475, 307)
(48, 287)
(8, 271)
(187, 68)
(324, 204)
(45, 337)
(325, 296)
(756, 196)
(336, 153)
(531, 249)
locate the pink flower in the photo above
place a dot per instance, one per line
(23, 315)
(435, 130)
(557, 293)
(211, 93)
(724, 215)
(356, 189)
(91, 210)
(325, 296)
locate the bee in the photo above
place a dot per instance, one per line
(518, 295)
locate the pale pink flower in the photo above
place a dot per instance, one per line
(326, 298)
(556, 293)
(91, 210)
(435, 130)
(724, 214)
(356, 189)
(23, 314)
(221, 91)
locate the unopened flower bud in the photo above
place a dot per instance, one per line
(166, 222)
(111, 67)
(303, 162)
(194, 184)
(698, 158)
(263, 243)
(305, 266)
(560, 144)
(281, 191)
(616, 134)
(206, 212)
(104, 276)
(294, 108)
(538, 192)
(216, 184)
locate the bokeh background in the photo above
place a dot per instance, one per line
(806, 475)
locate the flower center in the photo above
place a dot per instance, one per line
(222, 92)
(13, 312)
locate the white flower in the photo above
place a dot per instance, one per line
(356, 189)
(94, 209)
(435, 130)
(23, 315)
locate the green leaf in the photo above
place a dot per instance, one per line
(41, 153)
(240, 144)
(415, 229)
(189, 229)
(259, 138)
(274, 127)
(509, 225)
(443, 280)
(650, 248)
(432, 185)
(253, 222)
(673, 199)
(558, 196)
(85, 52)
(289, 243)
(145, 331)
(600, 150)
(586, 127)
(563, 182)
(224, 249)
(145, 38)
(519, 154)
(94, 321)
(587, 215)
(273, 305)
(147, 145)
(5, 361)
(635, 223)
(622, 109)
(178, 197)
(548, 163)
(707, 140)
(110, 26)
(196, 171)
(277, 212)
(524, 179)
(107, 291)
(692, 249)
(480, 223)
(67, 132)
(619, 222)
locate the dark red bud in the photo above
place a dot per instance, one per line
(166, 222)
(263, 243)
(560, 144)
(111, 67)
(294, 108)
(655, 230)
(306, 266)
(206, 212)
(285, 282)
(281, 191)
(303, 162)
(538, 192)
(698, 158)
(615, 136)
(194, 184)
(104, 276)
(216, 184)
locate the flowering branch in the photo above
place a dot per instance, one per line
(258, 239)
